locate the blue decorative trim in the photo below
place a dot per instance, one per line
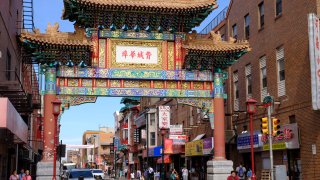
(181, 75)
(139, 35)
(123, 92)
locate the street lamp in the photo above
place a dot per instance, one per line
(251, 109)
(163, 132)
(56, 112)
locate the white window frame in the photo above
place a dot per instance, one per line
(235, 31)
(281, 82)
(248, 70)
(263, 66)
(235, 89)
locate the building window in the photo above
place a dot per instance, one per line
(263, 76)
(152, 119)
(261, 15)
(248, 80)
(292, 119)
(222, 37)
(152, 138)
(234, 31)
(278, 7)
(8, 65)
(281, 71)
(236, 91)
(247, 26)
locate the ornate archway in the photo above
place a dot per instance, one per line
(163, 60)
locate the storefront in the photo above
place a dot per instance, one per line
(198, 152)
(285, 150)
(13, 140)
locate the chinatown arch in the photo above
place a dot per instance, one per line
(128, 48)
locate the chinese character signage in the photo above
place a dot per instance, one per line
(287, 139)
(178, 139)
(176, 129)
(164, 117)
(136, 54)
(314, 53)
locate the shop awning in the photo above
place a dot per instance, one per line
(167, 159)
(11, 120)
(200, 136)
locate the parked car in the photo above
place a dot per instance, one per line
(76, 174)
(97, 173)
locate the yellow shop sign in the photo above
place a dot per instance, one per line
(194, 148)
(276, 146)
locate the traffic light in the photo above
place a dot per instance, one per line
(264, 125)
(276, 126)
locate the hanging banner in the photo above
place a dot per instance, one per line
(164, 117)
(176, 129)
(314, 53)
(178, 139)
(194, 148)
(168, 146)
(207, 146)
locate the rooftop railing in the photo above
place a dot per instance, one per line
(215, 21)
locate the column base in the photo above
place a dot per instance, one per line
(219, 169)
(45, 170)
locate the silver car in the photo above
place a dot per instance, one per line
(76, 174)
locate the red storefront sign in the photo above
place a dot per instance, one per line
(168, 149)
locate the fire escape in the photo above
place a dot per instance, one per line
(22, 88)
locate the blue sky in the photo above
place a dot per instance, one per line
(89, 116)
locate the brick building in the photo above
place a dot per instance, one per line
(100, 156)
(278, 64)
(20, 116)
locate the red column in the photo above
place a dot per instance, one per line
(219, 130)
(49, 127)
(48, 119)
(218, 106)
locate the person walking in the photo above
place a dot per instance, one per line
(233, 176)
(185, 173)
(249, 174)
(22, 174)
(132, 175)
(173, 175)
(14, 176)
(27, 176)
(241, 170)
(138, 174)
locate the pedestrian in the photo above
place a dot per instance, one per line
(241, 170)
(249, 174)
(27, 176)
(146, 173)
(125, 172)
(233, 176)
(173, 175)
(184, 173)
(150, 173)
(138, 174)
(120, 173)
(132, 175)
(22, 174)
(14, 175)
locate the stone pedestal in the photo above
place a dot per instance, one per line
(219, 169)
(45, 170)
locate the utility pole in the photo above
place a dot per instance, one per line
(268, 101)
